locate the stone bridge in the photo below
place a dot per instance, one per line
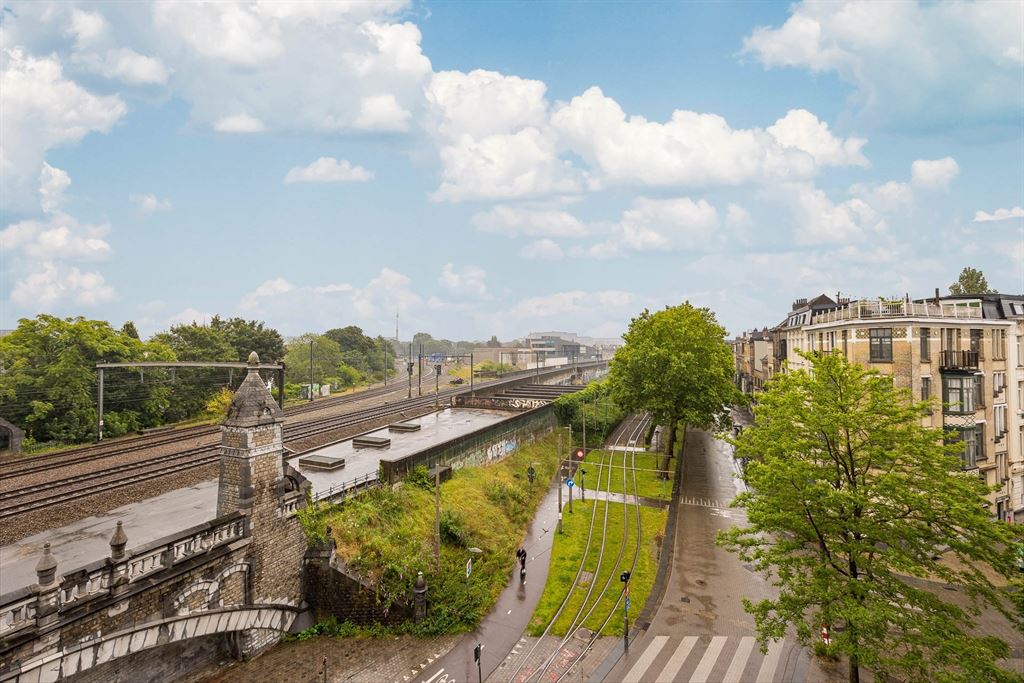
(171, 607)
(226, 621)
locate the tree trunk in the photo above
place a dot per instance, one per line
(671, 448)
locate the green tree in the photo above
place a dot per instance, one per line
(48, 379)
(327, 359)
(675, 363)
(129, 329)
(192, 388)
(849, 497)
(971, 281)
(246, 336)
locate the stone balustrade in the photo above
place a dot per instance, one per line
(23, 608)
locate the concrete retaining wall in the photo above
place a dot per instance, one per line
(486, 445)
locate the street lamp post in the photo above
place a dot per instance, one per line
(624, 578)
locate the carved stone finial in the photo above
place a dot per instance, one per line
(117, 542)
(254, 359)
(46, 569)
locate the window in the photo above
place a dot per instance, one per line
(881, 344)
(845, 342)
(999, 422)
(998, 383)
(951, 339)
(999, 344)
(971, 440)
(1020, 351)
(810, 341)
(959, 393)
(1002, 471)
(926, 388)
(976, 337)
(1020, 398)
(926, 339)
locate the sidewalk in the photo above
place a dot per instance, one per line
(405, 659)
(501, 630)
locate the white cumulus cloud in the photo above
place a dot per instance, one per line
(916, 65)
(328, 170)
(471, 282)
(514, 221)
(150, 203)
(933, 174)
(41, 110)
(543, 249)
(239, 123)
(999, 215)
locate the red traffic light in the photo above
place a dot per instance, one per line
(579, 453)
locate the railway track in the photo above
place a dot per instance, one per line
(42, 463)
(632, 431)
(67, 489)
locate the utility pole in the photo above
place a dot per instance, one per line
(583, 408)
(99, 412)
(624, 577)
(311, 370)
(385, 361)
(437, 516)
(471, 390)
(419, 376)
(560, 465)
(408, 367)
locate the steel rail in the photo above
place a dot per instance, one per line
(636, 555)
(578, 622)
(605, 458)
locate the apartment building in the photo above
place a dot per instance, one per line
(967, 352)
(753, 360)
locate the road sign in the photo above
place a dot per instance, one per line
(469, 567)
(570, 483)
(579, 453)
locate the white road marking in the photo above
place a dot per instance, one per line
(739, 660)
(428, 680)
(635, 674)
(707, 662)
(674, 664)
(771, 661)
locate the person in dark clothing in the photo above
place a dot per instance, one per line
(521, 556)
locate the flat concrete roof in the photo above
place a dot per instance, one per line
(434, 428)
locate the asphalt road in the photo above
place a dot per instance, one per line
(700, 632)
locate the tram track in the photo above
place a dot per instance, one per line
(631, 432)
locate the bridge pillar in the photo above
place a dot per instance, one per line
(46, 588)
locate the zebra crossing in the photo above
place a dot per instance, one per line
(704, 502)
(725, 659)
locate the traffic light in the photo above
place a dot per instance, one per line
(437, 369)
(476, 653)
(624, 577)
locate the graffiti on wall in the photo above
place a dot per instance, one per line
(527, 403)
(500, 449)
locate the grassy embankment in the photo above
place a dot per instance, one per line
(388, 535)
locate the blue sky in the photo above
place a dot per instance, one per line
(497, 168)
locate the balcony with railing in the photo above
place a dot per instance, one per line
(873, 309)
(958, 360)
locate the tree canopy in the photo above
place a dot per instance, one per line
(675, 363)
(245, 336)
(971, 281)
(850, 502)
(48, 379)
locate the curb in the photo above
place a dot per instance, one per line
(643, 620)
